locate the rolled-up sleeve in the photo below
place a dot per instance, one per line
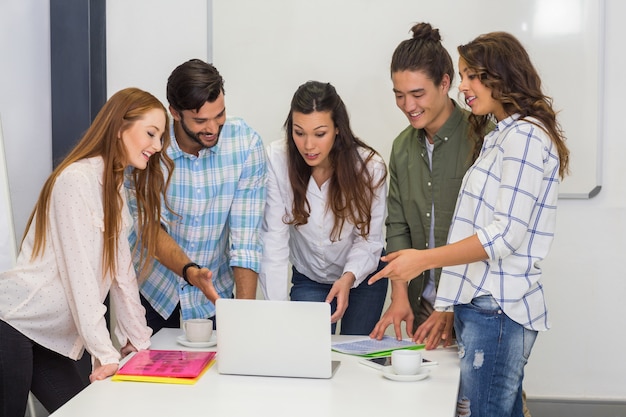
(246, 213)
(521, 157)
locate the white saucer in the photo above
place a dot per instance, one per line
(388, 373)
(183, 341)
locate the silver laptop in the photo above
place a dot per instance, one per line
(274, 338)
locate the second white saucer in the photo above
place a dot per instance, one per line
(388, 373)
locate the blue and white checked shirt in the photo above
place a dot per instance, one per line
(220, 196)
(508, 198)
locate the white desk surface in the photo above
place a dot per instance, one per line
(354, 390)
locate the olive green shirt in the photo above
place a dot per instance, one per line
(414, 188)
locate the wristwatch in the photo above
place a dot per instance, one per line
(190, 264)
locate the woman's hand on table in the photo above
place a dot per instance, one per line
(341, 291)
(128, 349)
(101, 372)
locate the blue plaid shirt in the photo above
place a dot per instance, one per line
(508, 198)
(220, 197)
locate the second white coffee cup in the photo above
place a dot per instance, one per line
(406, 362)
(198, 330)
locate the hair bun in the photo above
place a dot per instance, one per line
(425, 32)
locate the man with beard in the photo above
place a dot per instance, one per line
(216, 196)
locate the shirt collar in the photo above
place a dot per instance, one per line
(449, 127)
(508, 121)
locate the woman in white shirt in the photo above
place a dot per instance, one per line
(75, 251)
(325, 212)
(502, 228)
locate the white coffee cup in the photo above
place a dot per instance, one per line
(198, 330)
(406, 361)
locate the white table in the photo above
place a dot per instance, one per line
(355, 390)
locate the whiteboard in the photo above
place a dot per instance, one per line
(7, 234)
(266, 49)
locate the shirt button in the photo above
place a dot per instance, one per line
(427, 214)
(430, 184)
(445, 139)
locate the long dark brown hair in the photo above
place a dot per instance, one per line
(352, 187)
(101, 139)
(503, 65)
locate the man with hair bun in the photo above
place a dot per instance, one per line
(427, 162)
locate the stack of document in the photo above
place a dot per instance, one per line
(374, 348)
(166, 366)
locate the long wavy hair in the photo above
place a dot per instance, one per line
(118, 114)
(351, 187)
(503, 65)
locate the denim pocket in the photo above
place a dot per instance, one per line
(529, 340)
(485, 304)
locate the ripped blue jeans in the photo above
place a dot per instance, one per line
(493, 350)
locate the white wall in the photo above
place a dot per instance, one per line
(8, 247)
(147, 39)
(352, 46)
(25, 101)
(580, 357)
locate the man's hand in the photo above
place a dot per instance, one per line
(399, 310)
(341, 291)
(203, 280)
(437, 328)
(171, 255)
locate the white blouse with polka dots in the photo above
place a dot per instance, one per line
(57, 298)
